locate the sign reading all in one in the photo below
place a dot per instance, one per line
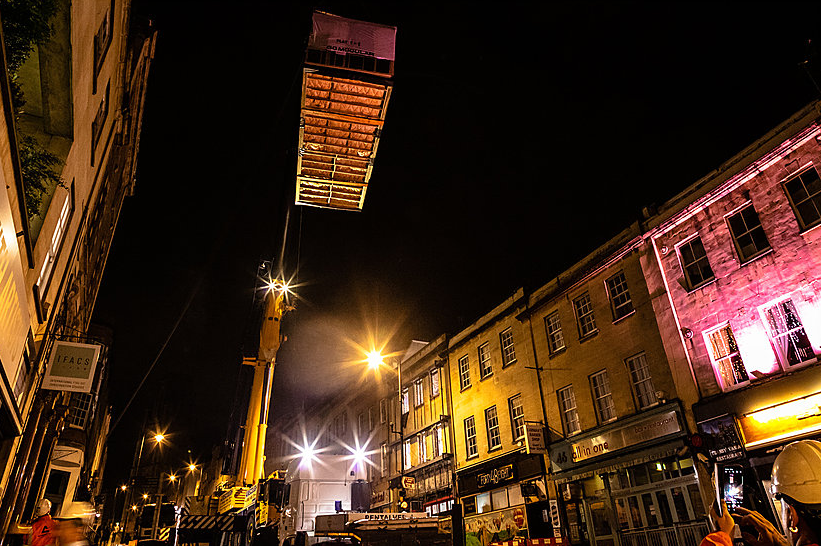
(71, 366)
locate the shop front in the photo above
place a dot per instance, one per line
(744, 432)
(630, 483)
(504, 498)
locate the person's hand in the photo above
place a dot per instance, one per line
(768, 535)
(724, 520)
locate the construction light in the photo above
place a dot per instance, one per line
(307, 455)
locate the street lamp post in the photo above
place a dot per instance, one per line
(159, 438)
(375, 360)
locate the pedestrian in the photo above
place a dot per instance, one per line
(74, 520)
(43, 527)
(796, 484)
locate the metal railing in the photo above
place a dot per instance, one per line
(684, 534)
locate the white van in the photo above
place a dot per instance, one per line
(313, 488)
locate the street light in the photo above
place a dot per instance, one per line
(159, 438)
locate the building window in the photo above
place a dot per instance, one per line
(553, 326)
(725, 356)
(360, 423)
(642, 382)
(371, 417)
(470, 437)
(434, 383)
(383, 460)
(570, 416)
(99, 121)
(517, 417)
(56, 243)
(102, 39)
(418, 393)
(79, 407)
(804, 193)
(464, 372)
(620, 302)
(436, 440)
(383, 411)
(485, 366)
(508, 350)
(602, 397)
(341, 424)
(422, 447)
(494, 436)
(584, 315)
(694, 263)
(748, 235)
(407, 454)
(405, 401)
(787, 333)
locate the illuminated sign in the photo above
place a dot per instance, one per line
(534, 438)
(782, 421)
(495, 476)
(71, 366)
(644, 430)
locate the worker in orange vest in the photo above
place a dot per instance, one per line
(43, 527)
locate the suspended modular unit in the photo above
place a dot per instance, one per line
(346, 85)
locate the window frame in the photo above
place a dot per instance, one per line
(802, 225)
(637, 396)
(517, 419)
(58, 237)
(383, 411)
(464, 372)
(435, 383)
(602, 397)
(550, 335)
(486, 364)
(583, 317)
(715, 363)
(782, 358)
(507, 347)
(611, 284)
(418, 392)
(687, 279)
(471, 443)
(738, 212)
(494, 430)
(405, 401)
(565, 411)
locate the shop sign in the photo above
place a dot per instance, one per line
(721, 438)
(408, 482)
(71, 366)
(554, 514)
(534, 438)
(498, 526)
(379, 497)
(341, 35)
(647, 429)
(495, 476)
(782, 421)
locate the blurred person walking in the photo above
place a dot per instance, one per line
(43, 527)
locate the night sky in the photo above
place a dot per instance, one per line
(517, 140)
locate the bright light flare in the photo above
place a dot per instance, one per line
(374, 359)
(307, 455)
(192, 467)
(159, 437)
(134, 507)
(145, 496)
(172, 477)
(123, 487)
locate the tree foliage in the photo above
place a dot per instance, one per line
(25, 23)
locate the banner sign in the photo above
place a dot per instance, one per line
(534, 438)
(71, 366)
(495, 476)
(721, 438)
(581, 449)
(341, 35)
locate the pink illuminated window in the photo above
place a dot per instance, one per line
(748, 235)
(726, 357)
(804, 192)
(787, 333)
